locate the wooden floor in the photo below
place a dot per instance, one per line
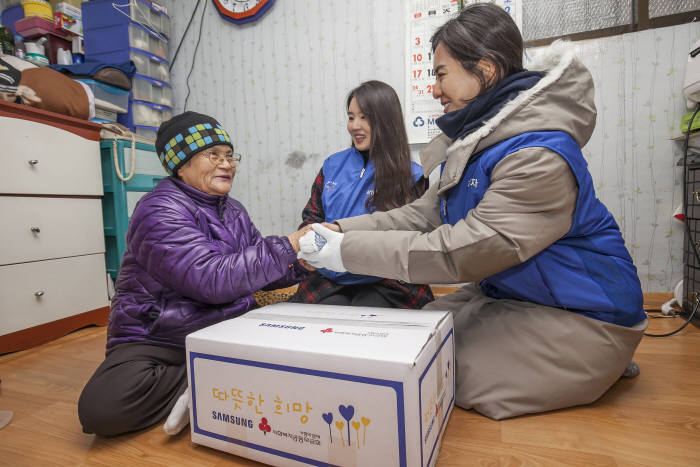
(653, 420)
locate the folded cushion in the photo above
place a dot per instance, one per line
(118, 74)
(58, 92)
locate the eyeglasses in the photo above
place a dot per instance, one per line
(218, 158)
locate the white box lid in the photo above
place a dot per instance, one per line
(361, 332)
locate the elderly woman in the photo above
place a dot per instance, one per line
(193, 258)
(553, 311)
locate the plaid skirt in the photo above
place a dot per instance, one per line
(400, 294)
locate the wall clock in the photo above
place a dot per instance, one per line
(242, 11)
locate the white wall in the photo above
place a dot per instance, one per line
(278, 85)
(639, 79)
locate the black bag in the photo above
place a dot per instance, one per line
(9, 77)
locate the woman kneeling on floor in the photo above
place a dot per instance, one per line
(193, 258)
(553, 310)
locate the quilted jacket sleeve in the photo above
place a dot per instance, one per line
(295, 273)
(528, 206)
(168, 242)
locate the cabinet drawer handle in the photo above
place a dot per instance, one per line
(38, 293)
(33, 162)
(36, 230)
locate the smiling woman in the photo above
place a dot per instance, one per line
(211, 171)
(193, 258)
(552, 310)
(374, 174)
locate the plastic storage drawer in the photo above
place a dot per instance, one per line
(110, 34)
(148, 89)
(102, 13)
(108, 93)
(145, 114)
(150, 65)
(148, 132)
(144, 39)
(145, 13)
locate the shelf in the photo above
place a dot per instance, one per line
(35, 26)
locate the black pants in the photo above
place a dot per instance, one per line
(135, 387)
(358, 295)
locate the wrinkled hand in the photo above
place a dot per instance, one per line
(294, 238)
(321, 248)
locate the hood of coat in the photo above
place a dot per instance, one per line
(563, 100)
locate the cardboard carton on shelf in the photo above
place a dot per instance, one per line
(68, 18)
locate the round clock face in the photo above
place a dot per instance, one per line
(242, 11)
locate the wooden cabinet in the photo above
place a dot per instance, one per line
(52, 265)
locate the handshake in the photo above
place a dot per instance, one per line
(318, 246)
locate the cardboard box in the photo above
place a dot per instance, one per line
(294, 384)
(68, 18)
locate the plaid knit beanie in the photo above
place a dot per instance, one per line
(185, 135)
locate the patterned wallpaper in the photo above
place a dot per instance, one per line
(639, 80)
(279, 84)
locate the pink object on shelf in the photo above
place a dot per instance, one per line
(35, 26)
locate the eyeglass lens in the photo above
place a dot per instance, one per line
(217, 158)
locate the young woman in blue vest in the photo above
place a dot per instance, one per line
(374, 173)
(552, 312)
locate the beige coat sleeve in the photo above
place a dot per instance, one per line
(528, 206)
(422, 215)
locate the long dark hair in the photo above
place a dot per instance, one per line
(389, 151)
(483, 30)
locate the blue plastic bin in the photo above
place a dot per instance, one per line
(144, 88)
(148, 132)
(10, 15)
(110, 34)
(108, 93)
(140, 11)
(150, 65)
(143, 113)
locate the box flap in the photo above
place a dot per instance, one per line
(367, 333)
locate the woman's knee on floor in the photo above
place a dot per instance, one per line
(102, 414)
(517, 358)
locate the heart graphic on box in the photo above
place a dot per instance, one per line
(347, 413)
(328, 418)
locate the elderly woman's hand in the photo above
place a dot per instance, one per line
(321, 248)
(294, 238)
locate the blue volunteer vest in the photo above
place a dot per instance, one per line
(345, 191)
(588, 270)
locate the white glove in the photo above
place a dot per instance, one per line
(310, 242)
(318, 255)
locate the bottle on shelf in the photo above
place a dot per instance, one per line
(20, 48)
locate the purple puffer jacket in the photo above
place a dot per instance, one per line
(192, 260)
